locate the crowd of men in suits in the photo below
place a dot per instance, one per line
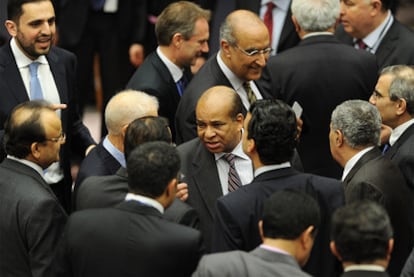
(293, 148)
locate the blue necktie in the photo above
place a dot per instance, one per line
(181, 84)
(97, 5)
(387, 146)
(35, 88)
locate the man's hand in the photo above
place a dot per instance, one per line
(136, 54)
(182, 191)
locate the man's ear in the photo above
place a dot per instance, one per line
(296, 24)
(225, 47)
(306, 238)
(401, 106)
(339, 138)
(261, 229)
(34, 148)
(177, 40)
(11, 27)
(334, 251)
(240, 120)
(171, 188)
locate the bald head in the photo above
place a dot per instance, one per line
(126, 106)
(222, 96)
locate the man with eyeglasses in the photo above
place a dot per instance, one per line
(244, 50)
(394, 98)
(32, 218)
(319, 74)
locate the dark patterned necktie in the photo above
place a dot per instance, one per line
(250, 94)
(234, 181)
(361, 44)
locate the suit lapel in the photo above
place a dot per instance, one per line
(372, 154)
(388, 44)
(401, 140)
(166, 75)
(59, 74)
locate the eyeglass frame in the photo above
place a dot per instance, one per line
(60, 138)
(254, 52)
(377, 95)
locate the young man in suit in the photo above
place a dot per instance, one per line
(135, 240)
(32, 220)
(370, 25)
(182, 32)
(354, 137)
(31, 23)
(269, 139)
(362, 239)
(107, 191)
(328, 70)
(394, 98)
(108, 156)
(244, 50)
(286, 243)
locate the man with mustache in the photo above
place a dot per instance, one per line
(31, 68)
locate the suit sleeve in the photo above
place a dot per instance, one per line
(408, 269)
(364, 190)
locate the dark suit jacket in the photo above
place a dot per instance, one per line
(288, 37)
(376, 178)
(408, 269)
(154, 78)
(364, 273)
(259, 262)
(238, 214)
(402, 154)
(108, 191)
(395, 48)
(13, 92)
(320, 73)
(208, 76)
(130, 239)
(99, 162)
(32, 222)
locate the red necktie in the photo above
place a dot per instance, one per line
(268, 18)
(361, 44)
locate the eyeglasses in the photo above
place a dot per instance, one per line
(255, 52)
(60, 138)
(377, 95)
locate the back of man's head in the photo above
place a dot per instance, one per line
(24, 127)
(361, 232)
(146, 129)
(288, 213)
(402, 85)
(316, 15)
(151, 167)
(126, 106)
(359, 121)
(273, 127)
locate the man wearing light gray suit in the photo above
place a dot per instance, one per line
(286, 243)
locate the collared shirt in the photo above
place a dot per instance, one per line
(174, 70)
(274, 249)
(351, 163)
(118, 155)
(313, 34)
(30, 164)
(53, 173)
(267, 168)
(365, 267)
(398, 131)
(243, 166)
(373, 39)
(145, 200)
(237, 83)
(279, 16)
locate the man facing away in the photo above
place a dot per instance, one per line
(132, 238)
(288, 228)
(32, 220)
(362, 239)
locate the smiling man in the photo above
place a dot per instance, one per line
(214, 163)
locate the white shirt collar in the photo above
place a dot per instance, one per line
(267, 168)
(237, 151)
(351, 162)
(21, 59)
(30, 164)
(174, 70)
(281, 4)
(145, 200)
(365, 267)
(235, 81)
(313, 34)
(373, 39)
(118, 155)
(399, 130)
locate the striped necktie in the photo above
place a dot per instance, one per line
(234, 181)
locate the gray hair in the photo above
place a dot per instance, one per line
(316, 15)
(126, 106)
(359, 121)
(402, 85)
(230, 25)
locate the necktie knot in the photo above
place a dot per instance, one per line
(35, 88)
(229, 157)
(33, 69)
(361, 44)
(250, 94)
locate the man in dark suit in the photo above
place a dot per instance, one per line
(245, 48)
(370, 25)
(269, 140)
(32, 220)
(354, 135)
(286, 243)
(362, 239)
(182, 33)
(111, 29)
(32, 45)
(135, 240)
(108, 156)
(206, 171)
(329, 73)
(108, 191)
(394, 98)
(283, 31)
